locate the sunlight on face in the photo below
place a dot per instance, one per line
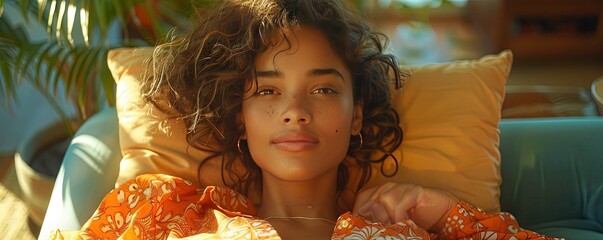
(299, 121)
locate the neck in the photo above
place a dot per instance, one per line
(310, 199)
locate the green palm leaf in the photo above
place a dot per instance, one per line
(81, 68)
(74, 53)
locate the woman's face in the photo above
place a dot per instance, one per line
(299, 122)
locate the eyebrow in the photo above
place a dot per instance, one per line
(325, 71)
(268, 74)
(312, 73)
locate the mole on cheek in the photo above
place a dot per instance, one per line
(336, 130)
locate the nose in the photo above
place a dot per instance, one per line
(296, 112)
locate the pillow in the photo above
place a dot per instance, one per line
(449, 113)
(150, 141)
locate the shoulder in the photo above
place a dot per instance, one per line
(166, 187)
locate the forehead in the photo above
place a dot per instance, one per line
(299, 43)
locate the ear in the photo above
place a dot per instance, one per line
(357, 117)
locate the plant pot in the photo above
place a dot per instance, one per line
(37, 161)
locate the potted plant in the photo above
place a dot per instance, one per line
(70, 62)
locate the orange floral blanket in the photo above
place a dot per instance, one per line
(159, 206)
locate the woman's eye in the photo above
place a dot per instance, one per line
(324, 90)
(264, 92)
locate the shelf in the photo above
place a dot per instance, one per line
(540, 28)
(531, 46)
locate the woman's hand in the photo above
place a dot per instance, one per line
(393, 202)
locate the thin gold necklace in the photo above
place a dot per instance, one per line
(309, 206)
(301, 218)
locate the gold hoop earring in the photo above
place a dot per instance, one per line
(239, 146)
(361, 142)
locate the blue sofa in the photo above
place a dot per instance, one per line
(552, 170)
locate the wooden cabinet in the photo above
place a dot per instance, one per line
(540, 28)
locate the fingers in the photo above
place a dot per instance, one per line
(367, 197)
(435, 206)
(387, 203)
(379, 214)
(399, 201)
(364, 200)
(394, 202)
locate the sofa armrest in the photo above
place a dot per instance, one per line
(552, 169)
(88, 172)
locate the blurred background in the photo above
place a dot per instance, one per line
(557, 44)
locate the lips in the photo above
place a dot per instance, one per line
(295, 142)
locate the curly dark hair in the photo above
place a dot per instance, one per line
(201, 76)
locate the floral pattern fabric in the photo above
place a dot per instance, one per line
(156, 206)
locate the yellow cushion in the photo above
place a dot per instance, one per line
(150, 141)
(449, 113)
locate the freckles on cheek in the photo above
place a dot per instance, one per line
(270, 111)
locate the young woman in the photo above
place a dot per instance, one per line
(294, 97)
